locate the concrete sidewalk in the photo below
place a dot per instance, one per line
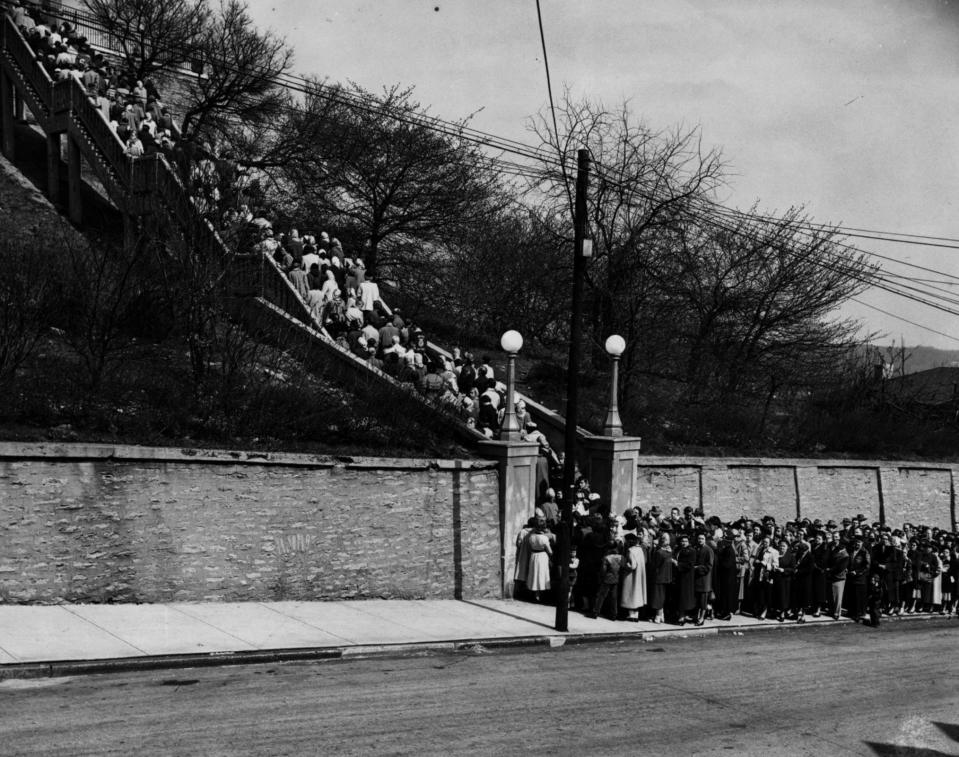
(71, 639)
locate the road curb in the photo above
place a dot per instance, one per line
(64, 668)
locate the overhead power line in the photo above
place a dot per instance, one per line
(304, 86)
(905, 320)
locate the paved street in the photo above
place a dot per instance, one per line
(824, 690)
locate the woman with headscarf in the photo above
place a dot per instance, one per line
(801, 596)
(329, 285)
(783, 580)
(633, 595)
(521, 571)
(537, 579)
(889, 564)
(661, 564)
(765, 567)
(933, 598)
(336, 251)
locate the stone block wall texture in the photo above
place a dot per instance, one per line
(835, 492)
(910, 492)
(110, 529)
(734, 491)
(667, 485)
(894, 492)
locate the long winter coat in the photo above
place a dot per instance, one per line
(634, 579)
(686, 578)
(703, 568)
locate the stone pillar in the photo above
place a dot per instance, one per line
(952, 507)
(54, 143)
(517, 497)
(613, 461)
(74, 181)
(6, 116)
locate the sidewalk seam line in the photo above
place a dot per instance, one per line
(215, 628)
(305, 623)
(105, 630)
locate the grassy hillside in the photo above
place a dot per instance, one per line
(149, 395)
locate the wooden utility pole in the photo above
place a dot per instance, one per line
(572, 392)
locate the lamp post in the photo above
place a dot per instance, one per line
(615, 346)
(511, 342)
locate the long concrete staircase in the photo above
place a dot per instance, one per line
(263, 297)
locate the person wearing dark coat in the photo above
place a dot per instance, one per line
(727, 578)
(783, 580)
(858, 578)
(607, 593)
(910, 579)
(820, 574)
(660, 574)
(591, 545)
(703, 563)
(801, 596)
(685, 579)
(836, 573)
(888, 562)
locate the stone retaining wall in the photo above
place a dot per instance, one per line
(91, 523)
(887, 491)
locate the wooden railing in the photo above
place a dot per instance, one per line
(61, 97)
(104, 138)
(35, 74)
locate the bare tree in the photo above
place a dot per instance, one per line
(26, 300)
(191, 270)
(643, 182)
(752, 293)
(383, 169)
(154, 35)
(98, 284)
(729, 318)
(506, 273)
(239, 87)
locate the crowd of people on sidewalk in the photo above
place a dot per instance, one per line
(685, 568)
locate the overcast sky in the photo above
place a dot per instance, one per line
(849, 107)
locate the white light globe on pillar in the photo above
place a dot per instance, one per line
(511, 342)
(615, 346)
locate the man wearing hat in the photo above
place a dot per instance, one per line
(727, 576)
(820, 572)
(858, 576)
(703, 563)
(838, 567)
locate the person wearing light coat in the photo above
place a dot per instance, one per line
(634, 581)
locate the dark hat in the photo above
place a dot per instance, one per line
(846, 521)
(831, 524)
(655, 510)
